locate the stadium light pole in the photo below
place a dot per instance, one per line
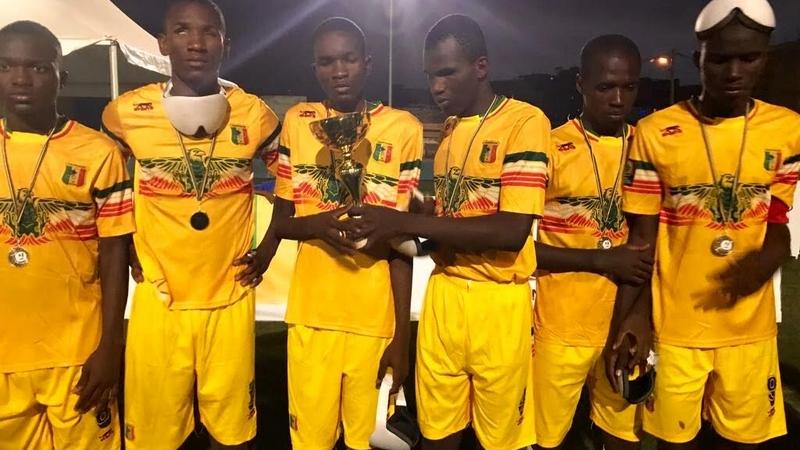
(668, 62)
(391, 42)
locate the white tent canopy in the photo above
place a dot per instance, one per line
(85, 23)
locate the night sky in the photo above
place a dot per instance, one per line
(271, 51)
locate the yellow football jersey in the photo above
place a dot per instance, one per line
(669, 174)
(505, 169)
(574, 308)
(330, 290)
(52, 306)
(192, 269)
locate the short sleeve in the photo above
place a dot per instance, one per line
(269, 127)
(283, 162)
(113, 196)
(113, 124)
(523, 179)
(788, 171)
(410, 167)
(641, 189)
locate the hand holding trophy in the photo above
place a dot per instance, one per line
(343, 134)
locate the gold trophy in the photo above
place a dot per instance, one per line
(343, 134)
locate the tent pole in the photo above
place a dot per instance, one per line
(114, 69)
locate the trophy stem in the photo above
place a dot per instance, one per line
(351, 173)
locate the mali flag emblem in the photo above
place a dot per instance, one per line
(74, 175)
(489, 152)
(382, 152)
(239, 135)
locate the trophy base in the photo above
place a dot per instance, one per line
(409, 247)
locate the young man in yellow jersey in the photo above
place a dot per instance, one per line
(474, 344)
(65, 222)
(192, 323)
(708, 186)
(348, 311)
(581, 253)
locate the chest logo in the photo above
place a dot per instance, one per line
(74, 175)
(147, 106)
(239, 135)
(489, 152)
(772, 159)
(671, 130)
(565, 147)
(382, 152)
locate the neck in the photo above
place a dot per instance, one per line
(348, 106)
(185, 88)
(712, 108)
(41, 123)
(594, 127)
(482, 101)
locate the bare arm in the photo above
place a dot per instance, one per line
(396, 354)
(628, 322)
(100, 374)
(626, 264)
(502, 231)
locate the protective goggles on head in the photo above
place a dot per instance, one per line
(719, 13)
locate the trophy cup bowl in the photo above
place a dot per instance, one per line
(342, 134)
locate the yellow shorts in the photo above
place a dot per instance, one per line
(168, 351)
(37, 411)
(559, 373)
(473, 362)
(332, 376)
(737, 388)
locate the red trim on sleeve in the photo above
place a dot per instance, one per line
(778, 211)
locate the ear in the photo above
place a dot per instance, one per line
(481, 66)
(63, 76)
(579, 83)
(162, 44)
(368, 64)
(226, 47)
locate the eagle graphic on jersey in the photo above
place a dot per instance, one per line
(41, 215)
(605, 217)
(375, 187)
(719, 200)
(175, 173)
(470, 193)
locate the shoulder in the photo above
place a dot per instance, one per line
(92, 143)
(668, 121)
(141, 98)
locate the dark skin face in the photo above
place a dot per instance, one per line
(459, 86)
(30, 80)
(730, 64)
(195, 43)
(341, 68)
(609, 87)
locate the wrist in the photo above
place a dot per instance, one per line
(402, 333)
(598, 261)
(110, 341)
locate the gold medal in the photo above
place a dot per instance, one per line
(604, 243)
(18, 257)
(722, 246)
